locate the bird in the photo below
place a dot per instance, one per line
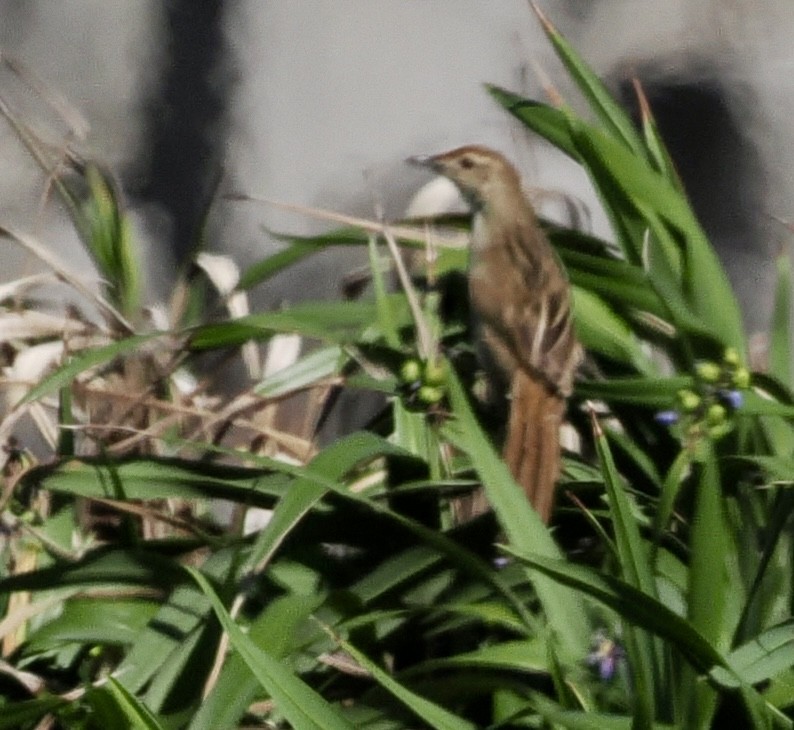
(522, 314)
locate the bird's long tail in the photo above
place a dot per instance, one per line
(532, 446)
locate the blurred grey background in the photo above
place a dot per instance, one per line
(317, 102)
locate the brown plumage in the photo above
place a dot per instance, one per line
(521, 302)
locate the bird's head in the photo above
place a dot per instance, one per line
(480, 173)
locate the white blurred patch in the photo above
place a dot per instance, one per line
(436, 197)
(282, 352)
(29, 367)
(222, 271)
(224, 274)
(256, 519)
(440, 196)
(30, 324)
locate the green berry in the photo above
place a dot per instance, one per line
(709, 372)
(435, 372)
(430, 394)
(716, 414)
(731, 356)
(410, 371)
(689, 400)
(741, 378)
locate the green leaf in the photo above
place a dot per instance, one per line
(445, 546)
(338, 322)
(102, 566)
(548, 122)
(715, 304)
(709, 582)
(394, 572)
(638, 183)
(155, 478)
(275, 630)
(656, 200)
(612, 116)
(756, 404)
(631, 604)
(329, 465)
(317, 365)
(300, 705)
(20, 714)
(636, 570)
(635, 194)
(529, 656)
(429, 712)
(94, 621)
(672, 484)
(361, 446)
(106, 234)
(777, 468)
(86, 360)
(66, 420)
(371, 445)
(618, 282)
(600, 330)
(709, 551)
(641, 459)
(173, 641)
(299, 248)
(564, 610)
(760, 659)
(653, 142)
(136, 714)
(589, 720)
(652, 393)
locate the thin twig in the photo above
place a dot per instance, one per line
(446, 239)
(177, 411)
(43, 255)
(223, 647)
(63, 108)
(424, 342)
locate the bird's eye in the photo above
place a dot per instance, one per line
(466, 163)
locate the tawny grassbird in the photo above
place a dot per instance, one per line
(521, 302)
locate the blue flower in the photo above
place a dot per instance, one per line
(606, 656)
(734, 398)
(667, 418)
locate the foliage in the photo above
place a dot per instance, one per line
(661, 597)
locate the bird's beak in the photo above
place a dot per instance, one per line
(428, 161)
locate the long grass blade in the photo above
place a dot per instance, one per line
(564, 610)
(300, 705)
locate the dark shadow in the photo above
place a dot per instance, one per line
(704, 123)
(184, 119)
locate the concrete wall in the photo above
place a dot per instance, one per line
(318, 101)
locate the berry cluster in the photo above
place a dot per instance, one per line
(716, 394)
(423, 383)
